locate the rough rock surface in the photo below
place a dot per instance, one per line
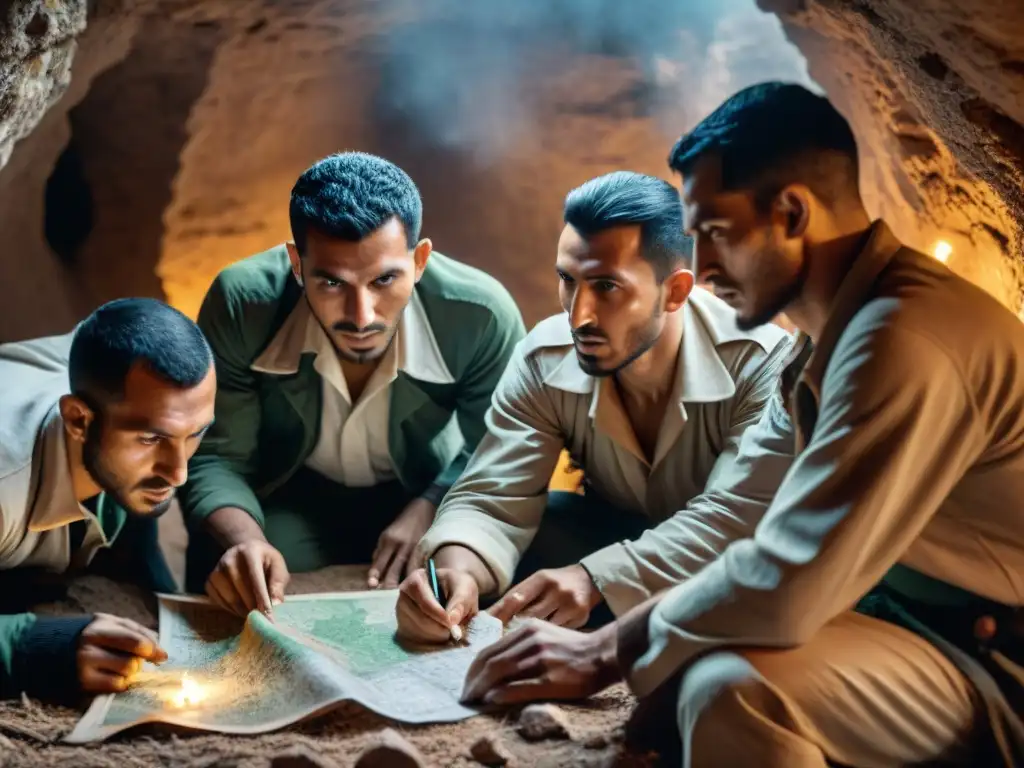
(390, 749)
(489, 750)
(935, 91)
(543, 721)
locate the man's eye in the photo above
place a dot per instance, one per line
(328, 283)
(605, 286)
(716, 233)
(565, 278)
(385, 280)
(149, 439)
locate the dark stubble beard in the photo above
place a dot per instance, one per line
(92, 460)
(640, 341)
(786, 295)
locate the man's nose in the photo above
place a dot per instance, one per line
(704, 259)
(362, 310)
(173, 466)
(581, 311)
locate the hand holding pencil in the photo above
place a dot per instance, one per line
(433, 603)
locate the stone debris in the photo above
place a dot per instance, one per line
(543, 721)
(489, 750)
(390, 749)
(300, 756)
(596, 740)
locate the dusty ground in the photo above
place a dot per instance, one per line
(30, 733)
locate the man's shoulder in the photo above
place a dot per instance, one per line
(719, 320)
(455, 294)
(248, 301)
(258, 279)
(33, 377)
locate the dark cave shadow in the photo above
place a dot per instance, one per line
(128, 134)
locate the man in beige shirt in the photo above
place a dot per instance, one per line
(903, 501)
(649, 385)
(96, 427)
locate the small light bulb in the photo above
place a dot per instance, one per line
(942, 251)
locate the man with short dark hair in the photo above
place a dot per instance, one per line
(872, 616)
(356, 365)
(85, 470)
(649, 385)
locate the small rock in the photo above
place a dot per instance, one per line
(300, 756)
(543, 721)
(489, 750)
(390, 750)
(596, 740)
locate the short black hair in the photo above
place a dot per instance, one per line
(773, 134)
(624, 198)
(351, 195)
(124, 332)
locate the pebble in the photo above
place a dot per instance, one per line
(390, 750)
(300, 757)
(596, 740)
(489, 750)
(543, 721)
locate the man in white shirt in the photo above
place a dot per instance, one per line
(903, 501)
(649, 384)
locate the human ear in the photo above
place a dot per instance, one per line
(677, 287)
(296, 260)
(420, 254)
(794, 204)
(77, 417)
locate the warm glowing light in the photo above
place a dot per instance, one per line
(942, 251)
(191, 693)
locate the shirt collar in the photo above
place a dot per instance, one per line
(55, 504)
(701, 375)
(415, 350)
(878, 250)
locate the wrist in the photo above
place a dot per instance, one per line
(594, 597)
(609, 668)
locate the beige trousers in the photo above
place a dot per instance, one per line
(862, 693)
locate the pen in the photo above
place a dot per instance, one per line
(435, 586)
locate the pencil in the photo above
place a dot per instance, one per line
(435, 586)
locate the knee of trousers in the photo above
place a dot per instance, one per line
(708, 701)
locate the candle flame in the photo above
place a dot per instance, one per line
(191, 692)
(942, 251)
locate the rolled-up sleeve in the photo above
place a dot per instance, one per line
(757, 453)
(496, 506)
(896, 429)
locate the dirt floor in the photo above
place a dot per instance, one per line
(30, 733)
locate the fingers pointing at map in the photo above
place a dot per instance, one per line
(249, 577)
(421, 618)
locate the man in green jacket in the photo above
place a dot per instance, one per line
(96, 428)
(355, 369)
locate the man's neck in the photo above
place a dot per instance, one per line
(829, 262)
(357, 376)
(650, 377)
(84, 486)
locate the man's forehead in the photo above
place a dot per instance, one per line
(150, 402)
(382, 250)
(610, 249)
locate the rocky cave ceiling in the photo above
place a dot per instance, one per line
(146, 145)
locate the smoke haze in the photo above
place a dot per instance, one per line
(471, 74)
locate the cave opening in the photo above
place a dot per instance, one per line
(68, 209)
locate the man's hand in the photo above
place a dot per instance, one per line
(250, 576)
(421, 618)
(562, 596)
(396, 544)
(111, 650)
(542, 661)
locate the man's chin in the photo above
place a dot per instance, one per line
(593, 367)
(144, 508)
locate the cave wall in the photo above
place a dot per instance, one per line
(935, 92)
(189, 121)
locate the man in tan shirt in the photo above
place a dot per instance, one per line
(903, 501)
(649, 385)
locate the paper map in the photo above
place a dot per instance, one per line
(230, 676)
